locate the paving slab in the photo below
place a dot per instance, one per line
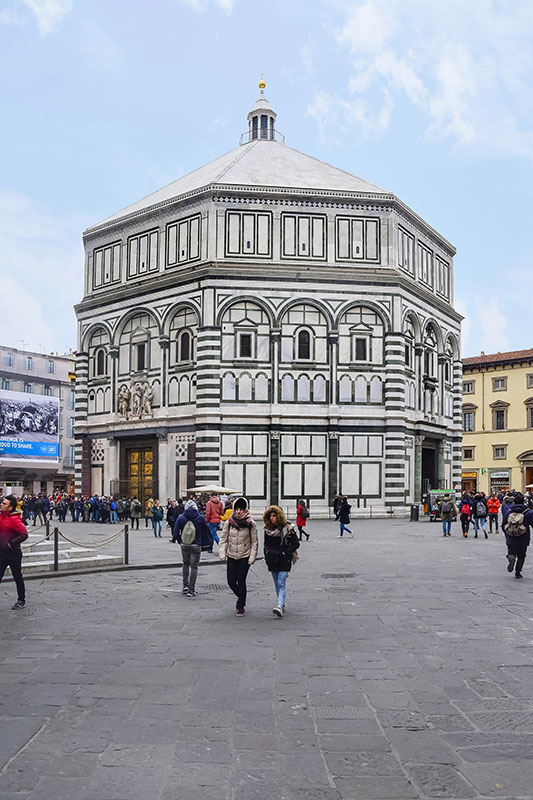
(403, 668)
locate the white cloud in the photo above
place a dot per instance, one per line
(41, 263)
(307, 56)
(335, 116)
(202, 6)
(48, 13)
(465, 67)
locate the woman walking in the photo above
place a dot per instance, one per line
(302, 515)
(344, 517)
(280, 546)
(12, 534)
(157, 518)
(238, 548)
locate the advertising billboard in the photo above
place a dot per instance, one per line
(29, 425)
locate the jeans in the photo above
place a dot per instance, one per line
(446, 526)
(190, 554)
(493, 518)
(156, 525)
(13, 560)
(280, 580)
(113, 516)
(213, 527)
(479, 522)
(344, 528)
(237, 570)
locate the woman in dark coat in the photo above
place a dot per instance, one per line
(344, 517)
(280, 546)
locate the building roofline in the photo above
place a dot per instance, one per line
(511, 357)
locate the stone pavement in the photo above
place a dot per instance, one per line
(402, 669)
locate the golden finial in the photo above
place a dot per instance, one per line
(262, 83)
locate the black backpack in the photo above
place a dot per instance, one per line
(481, 509)
(446, 507)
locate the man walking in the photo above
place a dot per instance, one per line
(517, 520)
(193, 534)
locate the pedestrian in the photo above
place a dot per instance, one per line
(302, 515)
(344, 517)
(38, 511)
(280, 545)
(337, 503)
(172, 514)
(148, 511)
(135, 513)
(213, 511)
(465, 510)
(517, 520)
(12, 534)
(157, 518)
(479, 513)
(192, 532)
(448, 514)
(493, 508)
(238, 548)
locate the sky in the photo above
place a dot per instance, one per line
(105, 101)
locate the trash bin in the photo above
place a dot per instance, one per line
(414, 513)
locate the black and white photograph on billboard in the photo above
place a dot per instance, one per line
(29, 425)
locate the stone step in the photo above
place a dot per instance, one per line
(70, 553)
(95, 560)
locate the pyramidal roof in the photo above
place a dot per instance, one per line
(261, 163)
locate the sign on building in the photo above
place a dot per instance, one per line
(29, 425)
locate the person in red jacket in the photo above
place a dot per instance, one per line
(12, 534)
(493, 506)
(213, 511)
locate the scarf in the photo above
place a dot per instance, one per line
(242, 522)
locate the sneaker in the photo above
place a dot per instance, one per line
(185, 590)
(22, 604)
(192, 594)
(340, 537)
(277, 611)
(240, 612)
(519, 575)
(510, 565)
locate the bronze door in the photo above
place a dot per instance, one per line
(141, 473)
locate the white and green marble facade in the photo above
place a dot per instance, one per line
(240, 258)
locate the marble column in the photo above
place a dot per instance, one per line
(163, 489)
(418, 468)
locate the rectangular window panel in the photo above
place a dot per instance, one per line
(350, 479)
(172, 244)
(318, 445)
(245, 345)
(107, 265)
(343, 239)
(229, 445)
(289, 236)
(153, 251)
(371, 239)
(303, 445)
(260, 445)
(360, 445)
(360, 349)
(357, 239)
(263, 235)
(234, 228)
(116, 262)
(133, 257)
(183, 242)
(375, 446)
(244, 444)
(292, 479)
(98, 268)
(318, 237)
(194, 238)
(287, 445)
(371, 480)
(345, 445)
(233, 477)
(303, 236)
(143, 254)
(248, 234)
(313, 480)
(255, 480)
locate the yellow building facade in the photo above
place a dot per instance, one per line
(498, 421)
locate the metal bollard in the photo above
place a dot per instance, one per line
(126, 545)
(47, 526)
(56, 550)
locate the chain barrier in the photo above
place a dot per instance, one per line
(92, 545)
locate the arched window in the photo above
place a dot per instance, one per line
(184, 347)
(304, 345)
(100, 362)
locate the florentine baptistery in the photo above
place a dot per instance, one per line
(274, 324)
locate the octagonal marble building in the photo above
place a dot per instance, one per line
(274, 324)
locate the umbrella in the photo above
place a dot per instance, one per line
(529, 485)
(212, 487)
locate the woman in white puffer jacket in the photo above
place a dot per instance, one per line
(238, 547)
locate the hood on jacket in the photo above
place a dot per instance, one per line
(216, 501)
(281, 518)
(240, 502)
(191, 512)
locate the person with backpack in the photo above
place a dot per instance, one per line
(213, 512)
(465, 514)
(193, 534)
(135, 513)
(280, 545)
(302, 515)
(517, 520)
(344, 517)
(238, 548)
(493, 507)
(448, 514)
(479, 513)
(157, 518)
